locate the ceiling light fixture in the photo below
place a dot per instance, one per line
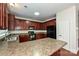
(36, 13)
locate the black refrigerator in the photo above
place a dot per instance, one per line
(51, 31)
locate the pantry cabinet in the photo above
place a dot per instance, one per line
(11, 21)
(3, 16)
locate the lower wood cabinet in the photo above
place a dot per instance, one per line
(23, 38)
(3, 16)
(40, 35)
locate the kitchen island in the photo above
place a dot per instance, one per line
(42, 47)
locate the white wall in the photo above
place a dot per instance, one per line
(67, 31)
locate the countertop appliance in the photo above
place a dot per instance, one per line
(32, 35)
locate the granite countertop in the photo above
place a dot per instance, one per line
(4, 33)
(42, 47)
(26, 31)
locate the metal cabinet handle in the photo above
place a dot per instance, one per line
(59, 35)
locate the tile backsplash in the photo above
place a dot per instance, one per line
(3, 31)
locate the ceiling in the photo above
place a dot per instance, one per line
(46, 10)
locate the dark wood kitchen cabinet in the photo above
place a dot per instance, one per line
(49, 23)
(40, 35)
(11, 21)
(25, 24)
(23, 38)
(3, 16)
(36, 25)
(22, 24)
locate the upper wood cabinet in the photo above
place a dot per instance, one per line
(37, 25)
(11, 22)
(49, 23)
(25, 24)
(21, 23)
(3, 16)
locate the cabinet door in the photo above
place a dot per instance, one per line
(1, 19)
(6, 16)
(3, 16)
(23, 38)
(40, 35)
(11, 22)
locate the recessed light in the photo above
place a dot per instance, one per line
(36, 13)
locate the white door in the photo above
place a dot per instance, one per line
(66, 27)
(63, 31)
(66, 33)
